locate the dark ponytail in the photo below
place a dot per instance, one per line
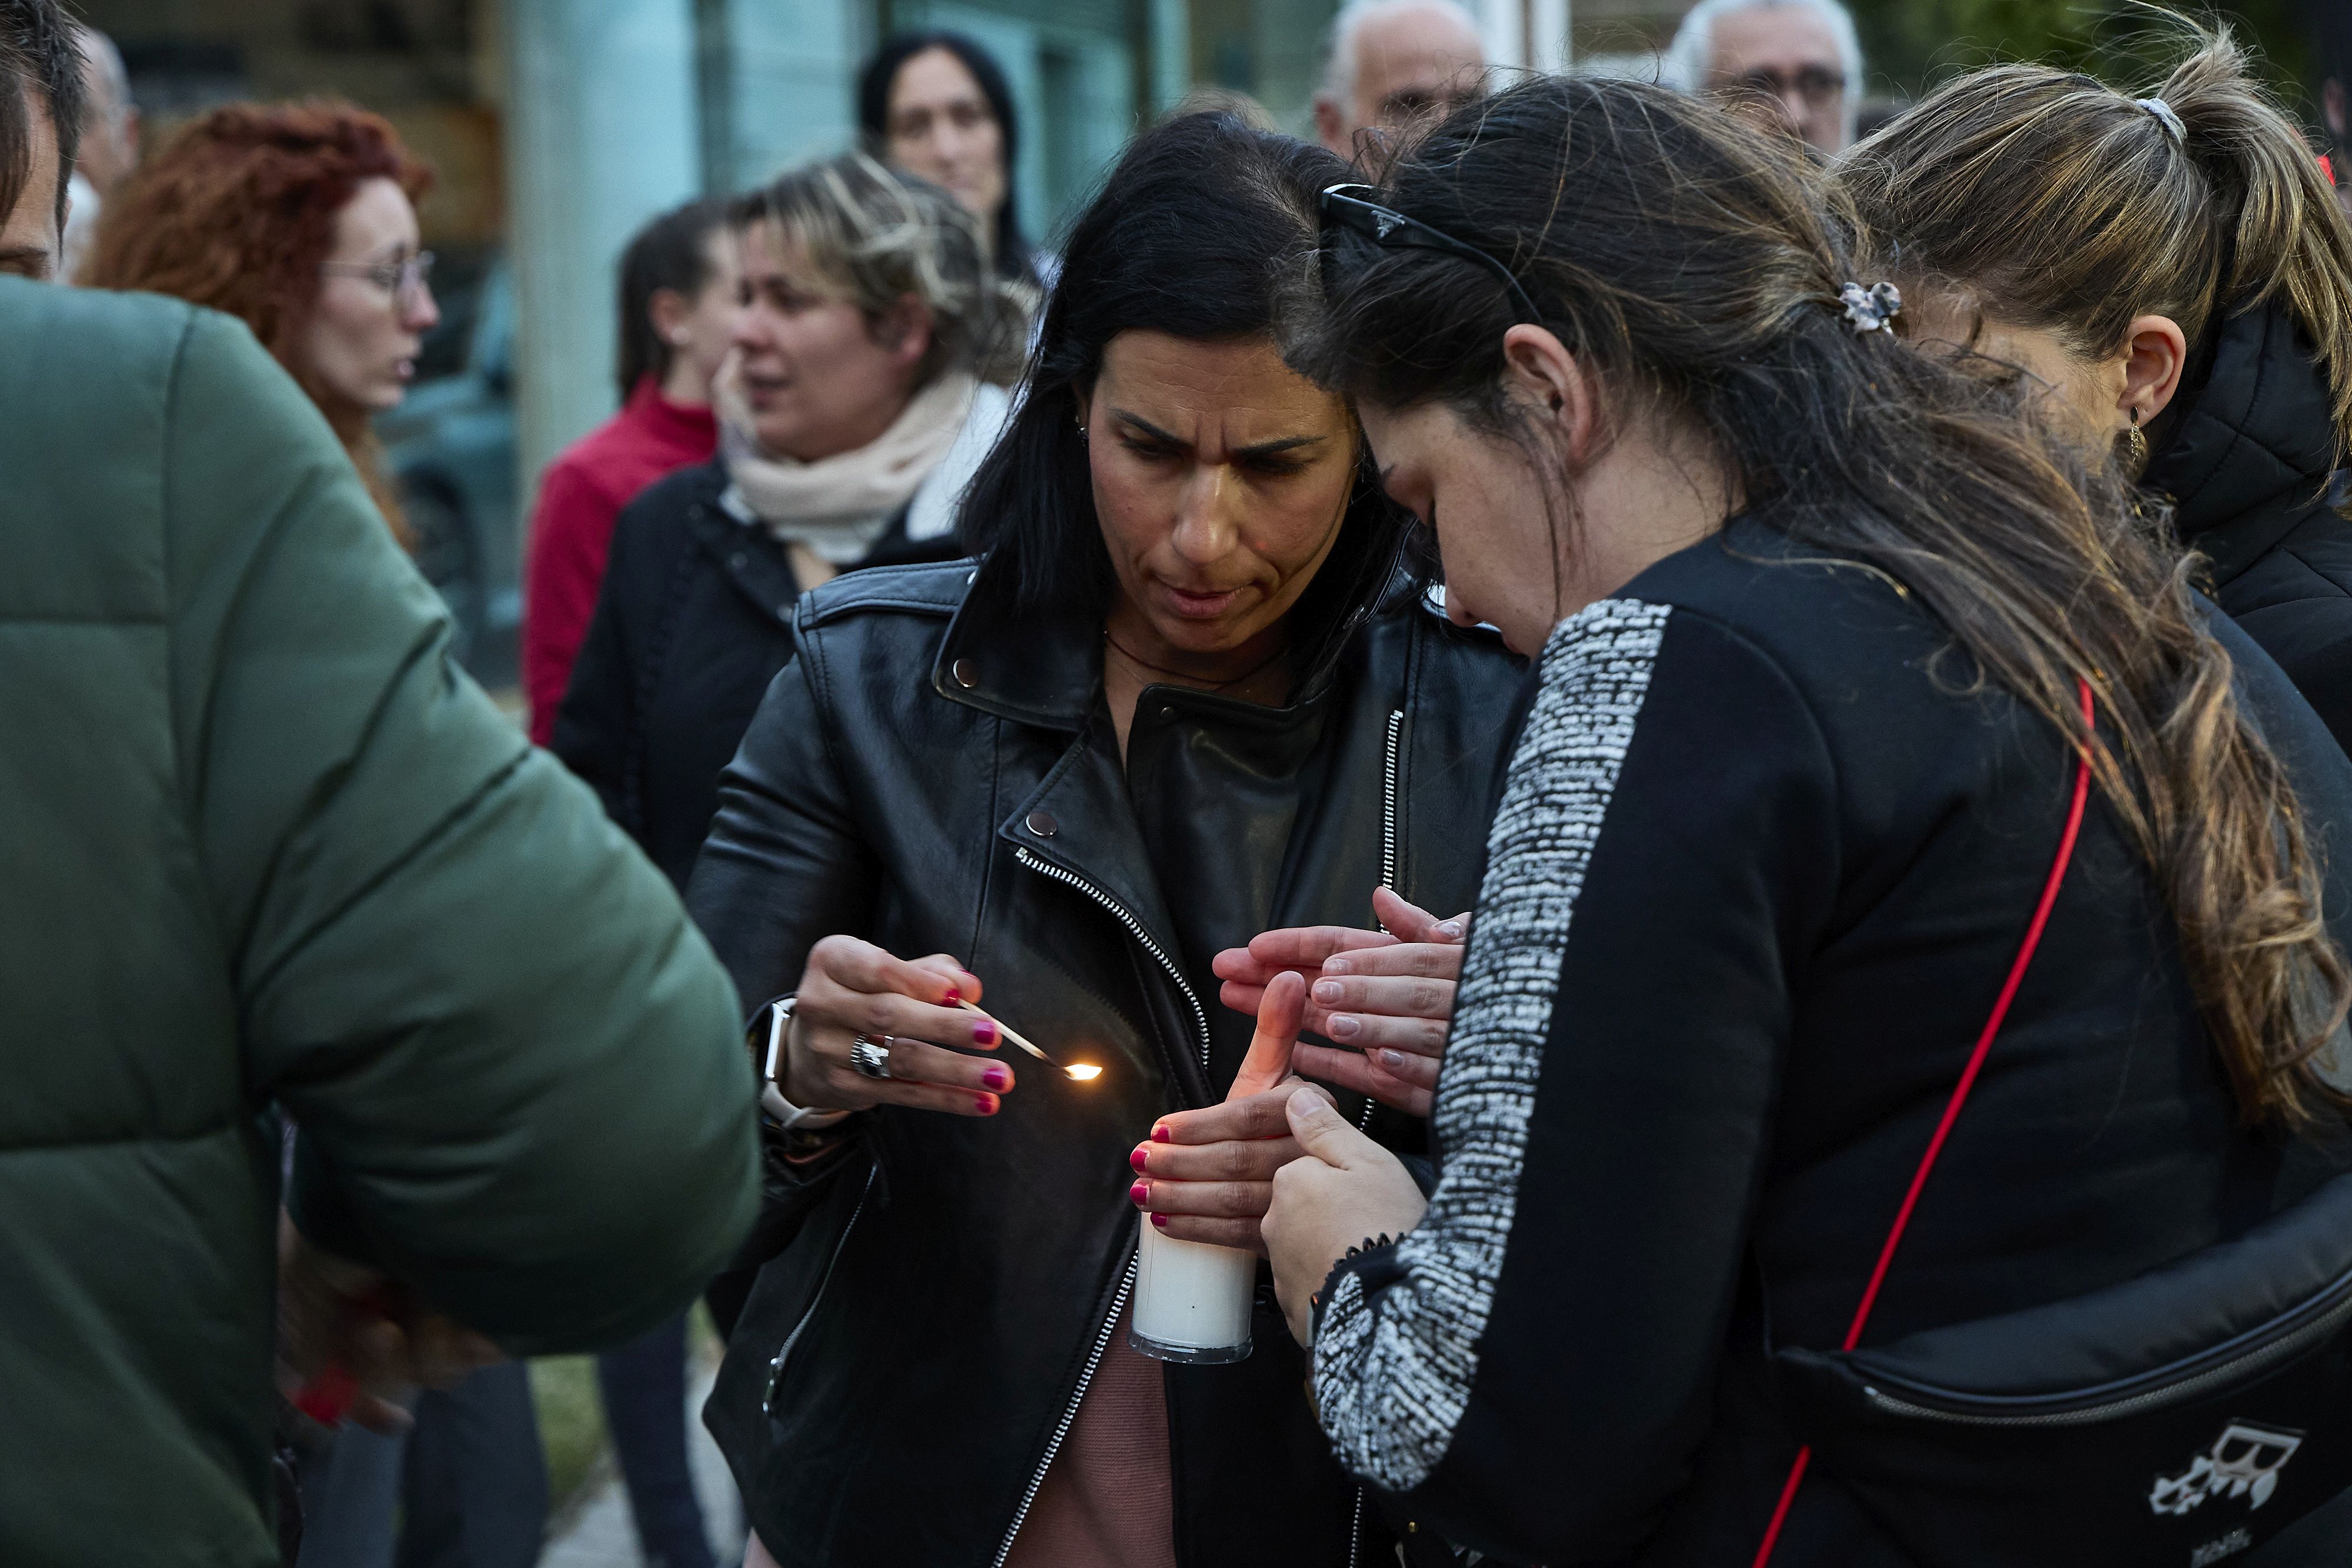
(672, 252)
(1695, 265)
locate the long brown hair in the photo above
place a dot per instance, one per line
(1696, 265)
(239, 212)
(2054, 202)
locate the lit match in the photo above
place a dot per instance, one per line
(1083, 1072)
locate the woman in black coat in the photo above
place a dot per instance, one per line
(2176, 269)
(852, 414)
(1185, 695)
(1828, 642)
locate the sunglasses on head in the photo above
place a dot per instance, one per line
(1351, 207)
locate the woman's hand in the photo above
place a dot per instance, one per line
(1208, 1175)
(852, 987)
(1386, 996)
(1343, 1190)
(333, 1313)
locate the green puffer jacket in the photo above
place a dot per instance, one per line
(260, 842)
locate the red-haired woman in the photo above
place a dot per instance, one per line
(300, 220)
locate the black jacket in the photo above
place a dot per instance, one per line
(938, 774)
(2246, 462)
(1680, 1123)
(692, 622)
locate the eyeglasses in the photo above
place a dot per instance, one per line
(1346, 207)
(394, 278)
(1814, 84)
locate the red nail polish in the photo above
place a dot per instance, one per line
(985, 1104)
(1137, 1158)
(954, 997)
(1161, 1221)
(984, 1032)
(996, 1077)
(1160, 1136)
(1138, 1192)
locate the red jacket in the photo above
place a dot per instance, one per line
(580, 495)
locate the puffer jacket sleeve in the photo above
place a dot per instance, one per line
(1532, 1370)
(515, 1065)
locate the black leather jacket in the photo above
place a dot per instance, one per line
(936, 773)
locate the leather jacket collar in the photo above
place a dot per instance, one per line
(1044, 667)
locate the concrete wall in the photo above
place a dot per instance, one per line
(603, 134)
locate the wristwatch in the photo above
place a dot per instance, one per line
(790, 1117)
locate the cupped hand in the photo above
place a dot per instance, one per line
(1343, 1190)
(333, 1313)
(1208, 1175)
(852, 987)
(1386, 996)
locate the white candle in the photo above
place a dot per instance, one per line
(1191, 1300)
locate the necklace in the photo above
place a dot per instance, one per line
(1141, 662)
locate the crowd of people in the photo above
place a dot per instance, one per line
(1690, 766)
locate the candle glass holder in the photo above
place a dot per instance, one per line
(1191, 1300)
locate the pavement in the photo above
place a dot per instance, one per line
(599, 1533)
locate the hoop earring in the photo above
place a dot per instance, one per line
(1082, 435)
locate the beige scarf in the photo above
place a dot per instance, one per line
(837, 506)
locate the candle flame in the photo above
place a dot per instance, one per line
(1083, 1072)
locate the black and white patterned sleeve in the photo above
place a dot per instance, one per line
(1529, 1368)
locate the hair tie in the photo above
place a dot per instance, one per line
(2166, 117)
(1872, 309)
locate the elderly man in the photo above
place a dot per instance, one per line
(1391, 63)
(1797, 61)
(109, 139)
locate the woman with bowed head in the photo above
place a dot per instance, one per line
(300, 220)
(1903, 960)
(2174, 271)
(677, 290)
(857, 405)
(1185, 694)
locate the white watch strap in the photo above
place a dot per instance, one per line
(771, 1094)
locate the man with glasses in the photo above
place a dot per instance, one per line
(1795, 61)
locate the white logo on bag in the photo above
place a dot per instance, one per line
(2244, 1460)
(2221, 1551)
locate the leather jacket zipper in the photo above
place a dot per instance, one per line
(776, 1367)
(1389, 805)
(1045, 867)
(1949, 1406)
(1069, 1414)
(1387, 880)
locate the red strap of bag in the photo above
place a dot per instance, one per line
(1951, 1109)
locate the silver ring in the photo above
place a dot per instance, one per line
(870, 1056)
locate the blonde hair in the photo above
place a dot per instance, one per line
(879, 236)
(2057, 203)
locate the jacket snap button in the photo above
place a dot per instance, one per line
(966, 674)
(735, 562)
(1167, 713)
(1042, 823)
